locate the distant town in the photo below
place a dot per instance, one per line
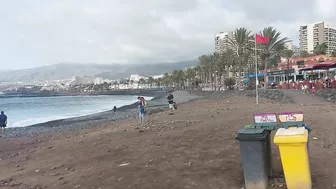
(85, 84)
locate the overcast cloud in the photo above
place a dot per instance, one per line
(41, 32)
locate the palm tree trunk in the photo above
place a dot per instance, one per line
(205, 79)
(239, 79)
(212, 81)
(265, 74)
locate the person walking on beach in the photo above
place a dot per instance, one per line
(170, 99)
(114, 108)
(3, 123)
(141, 112)
(144, 102)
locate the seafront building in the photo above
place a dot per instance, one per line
(292, 68)
(312, 35)
(222, 41)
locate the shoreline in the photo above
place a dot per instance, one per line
(157, 104)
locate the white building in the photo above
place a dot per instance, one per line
(98, 81)
(137, 77)
(222, 41)
(81, 80)
(289, 46)
(315, 34)
(158, 76)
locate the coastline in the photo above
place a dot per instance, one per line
(143, 92)
(157, 104)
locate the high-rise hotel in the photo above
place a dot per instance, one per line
(312, 35)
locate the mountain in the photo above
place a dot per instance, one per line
(107, 71)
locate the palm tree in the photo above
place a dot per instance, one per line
(150, 81)
(205, 68)
(180, 78)
(333, 54)
(242, 44)
(304, 54)
(321, 49)
(228, 60)
(167, 80)
(115, 83)
(214, 58)
(198, 76)
(141, 81)
(190, 76)
(159, 82)
(288, 53)
(275, 47)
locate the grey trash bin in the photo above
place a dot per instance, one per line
(254, 157)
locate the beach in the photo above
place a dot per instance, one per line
(194, 148)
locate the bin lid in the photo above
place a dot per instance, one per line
(291, 135)
(251, 134)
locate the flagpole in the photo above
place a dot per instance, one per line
(256, 69)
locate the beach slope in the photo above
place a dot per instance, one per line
(194, 148)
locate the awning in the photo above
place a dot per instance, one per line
(254, 75)
(320, 66)
(307, 68)
(325, 65)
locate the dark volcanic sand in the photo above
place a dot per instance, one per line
(194, 148)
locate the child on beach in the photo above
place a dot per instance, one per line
(141, 112)
(313, 90)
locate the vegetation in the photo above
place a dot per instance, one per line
(304, 54)
(227, 68)
(320, 49)
(333, 54)
(274, 48)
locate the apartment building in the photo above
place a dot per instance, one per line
(222, 41)
(330, 39)
(315, 34)
(293, 47)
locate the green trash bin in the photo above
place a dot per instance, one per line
(267, 121)
(249, 127)
(254, 157)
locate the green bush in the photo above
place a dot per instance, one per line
(251, 84)
(230, 82)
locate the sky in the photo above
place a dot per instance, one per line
(42, 32)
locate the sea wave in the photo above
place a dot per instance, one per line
(83, 112)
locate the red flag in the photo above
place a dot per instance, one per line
(262, 40)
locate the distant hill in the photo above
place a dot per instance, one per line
(107, 71)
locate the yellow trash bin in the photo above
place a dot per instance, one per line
(292, 144)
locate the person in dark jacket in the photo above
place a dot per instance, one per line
(3, 123)
(170, 99)
(114, 108)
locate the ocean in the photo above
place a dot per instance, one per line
(25, 111)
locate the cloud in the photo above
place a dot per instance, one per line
(38, 32)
